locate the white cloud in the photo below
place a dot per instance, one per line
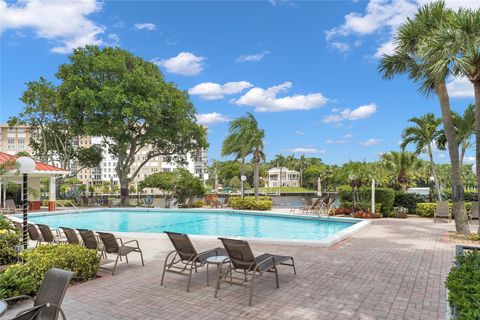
(300, 133)
(460, 88)
(382, 18)
(361, 112)
(253, 57)
(185, 63)
(305, 150)
(370, 142)
(211, 118)
(145, 26)
(340, 46)
(266, 100)
(470, 160)
(345, 139)
(65, 23)
(215, 91)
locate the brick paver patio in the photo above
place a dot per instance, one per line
(393, 269)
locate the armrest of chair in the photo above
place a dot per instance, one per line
(130, 241)
(46, 305)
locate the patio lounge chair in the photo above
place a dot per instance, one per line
(71, 235)
(475, 211)
(442, 211)
(34, 234)
(90, 240)
(185, 258)
(46, 305)
(11, 207)
(48, 235)
(110, 245)
(242, 260)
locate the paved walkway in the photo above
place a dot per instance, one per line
(393, 269)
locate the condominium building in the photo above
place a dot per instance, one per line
(14, 140)
(283, 177)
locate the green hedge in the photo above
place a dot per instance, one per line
(25, 278)
(427, 209)
(249, 203)
(463, 283)
(407, 200)
(361, 206)
(383, 196)
(63, 202)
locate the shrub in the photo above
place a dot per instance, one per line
(9, 240)
(366, 215)
(463, 283)
(427, 209)
(249, 203)
(62, 202)
(84, 262)
(407, 200)
(342, 211)
(361, 206)
(196, 204)
(383, 196)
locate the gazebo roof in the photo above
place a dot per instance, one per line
(41, 169)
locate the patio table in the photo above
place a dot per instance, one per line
(219, 261)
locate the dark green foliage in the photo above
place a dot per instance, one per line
(463, 283)
(29, 275)
(9, 239)
(361, 206)
(249, 203)
(180, 184)
(383, 196)
(407, 200)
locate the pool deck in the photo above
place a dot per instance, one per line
(394, 269)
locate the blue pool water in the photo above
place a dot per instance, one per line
(217, 223)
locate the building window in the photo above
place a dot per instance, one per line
(11, 141)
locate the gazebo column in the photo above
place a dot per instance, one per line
(52, 195)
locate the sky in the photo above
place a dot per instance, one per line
(308, 71)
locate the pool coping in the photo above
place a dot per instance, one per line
(327, 242)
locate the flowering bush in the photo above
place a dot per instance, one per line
(366, 215)
(9, 240)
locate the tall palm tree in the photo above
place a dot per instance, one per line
(408, 58)
(301, 166)
(423, 134)
(401, 166)
(245, 138)
(280, 161)
(454, 49)
(464, 128)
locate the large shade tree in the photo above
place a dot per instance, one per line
(116, 95)
(423, 134)
(246, 138)
(408, 58)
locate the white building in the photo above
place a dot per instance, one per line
(283, 177)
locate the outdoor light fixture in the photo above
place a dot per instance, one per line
(243, 179)
(26, 166)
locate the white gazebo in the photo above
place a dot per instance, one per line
(42, 170)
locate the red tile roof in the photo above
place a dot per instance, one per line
(40, 166)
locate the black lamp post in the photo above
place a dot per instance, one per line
(26, 166)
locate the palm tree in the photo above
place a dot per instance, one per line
(401, 166)
(280, 161)
(454, 49)
(464, 128)
(408, 58)
(301, 166)
(423, 134)
(245, 138)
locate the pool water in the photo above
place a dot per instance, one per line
(214, 223)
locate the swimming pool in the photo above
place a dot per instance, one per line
(205, 223)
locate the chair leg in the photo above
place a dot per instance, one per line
(276, 277)
(252, 289)
(115, 266)
(190, 277)
(141, 257)
(164, 270)
(126, 258)
(293, 265)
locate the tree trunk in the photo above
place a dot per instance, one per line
(476, 87)
(123, 189)
(461, 219)
(434, 173)
(256, 171)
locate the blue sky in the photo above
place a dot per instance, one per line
(306, 70)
